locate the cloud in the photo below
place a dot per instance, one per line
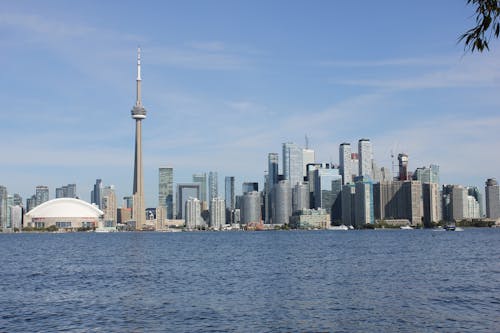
(392, 62)
(464, 72)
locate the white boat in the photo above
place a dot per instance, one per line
(339, 227)
(405, 227)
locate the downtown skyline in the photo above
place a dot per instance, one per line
(221, 101)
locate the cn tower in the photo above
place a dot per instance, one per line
(138, 113)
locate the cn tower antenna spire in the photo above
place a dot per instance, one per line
(139, 63)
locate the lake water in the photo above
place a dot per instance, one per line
(306, 281)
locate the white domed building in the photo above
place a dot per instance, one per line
(64, 213)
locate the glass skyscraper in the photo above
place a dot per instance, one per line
(166, 190)
(292, 163)
(202, 180)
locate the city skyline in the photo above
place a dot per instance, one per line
(230, 98)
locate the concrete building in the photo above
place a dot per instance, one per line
(345, 163)
(354, 165)
(492, 191)
(310, 219)
(398, 200)
(431, 201)
(363, 202)
(3, 208)
(292, 163)
(41, 194)
(123, 215)
(455, 202)
(403, 166)
(217, 213)
(64, 213)
(109, 206)
(66, 191)
(347, 204)
(308, 157)
(16, 217)
(300, 197)
(138, 114)
(365, 152)
(184, 192)
(250, 208)
(166, 191)
(193, 214)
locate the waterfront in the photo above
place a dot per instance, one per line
(277, 281)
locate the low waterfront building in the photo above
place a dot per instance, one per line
(310, 219)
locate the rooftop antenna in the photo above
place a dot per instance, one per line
(307, 142)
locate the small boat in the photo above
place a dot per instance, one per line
(339, 227)
(450, 228)
(405, 227)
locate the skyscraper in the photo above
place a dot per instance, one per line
(230, 198)
(193, 213)
(138, 113)
(41, 194)
(184, 192)
(345, 162)
(282, 207)
(217, 213)
(250, 208)
(166, 190)
(292, 163)
(403, 166)
(3, 207)
(492, 190)
(365, 152)
(109, 206)
(363, 202)
(202, 180)
(96, 193)
(308, 157)
(249, 187)
(213, 185)
(272, 169)
(66, 191)
(327, 187)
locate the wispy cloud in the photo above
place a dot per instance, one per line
(393, 62)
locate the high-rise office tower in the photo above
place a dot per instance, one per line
(3, 207)
(166, 190)
(403, 166)
(475, 206)
(202, 180)
(213, 185)
(492, 190)
(249, 187)
(184, 192)
(347, 203)
(363, 202)
(272, 169)
(355, 164)
(193, 213)
(138, 114)
(292, 163)
(431, 203)
(96, 193)
(230, 197)
(345, 163)
(229, 192)
(282, 207)
(66, 191)
(365, 152)
(300, 197)
(327, 187)
(41, 194)
(250, 208)
(308, 157)
(109, 206)
(427, 175)
(217, 213)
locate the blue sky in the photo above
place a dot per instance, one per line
(226, 82)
